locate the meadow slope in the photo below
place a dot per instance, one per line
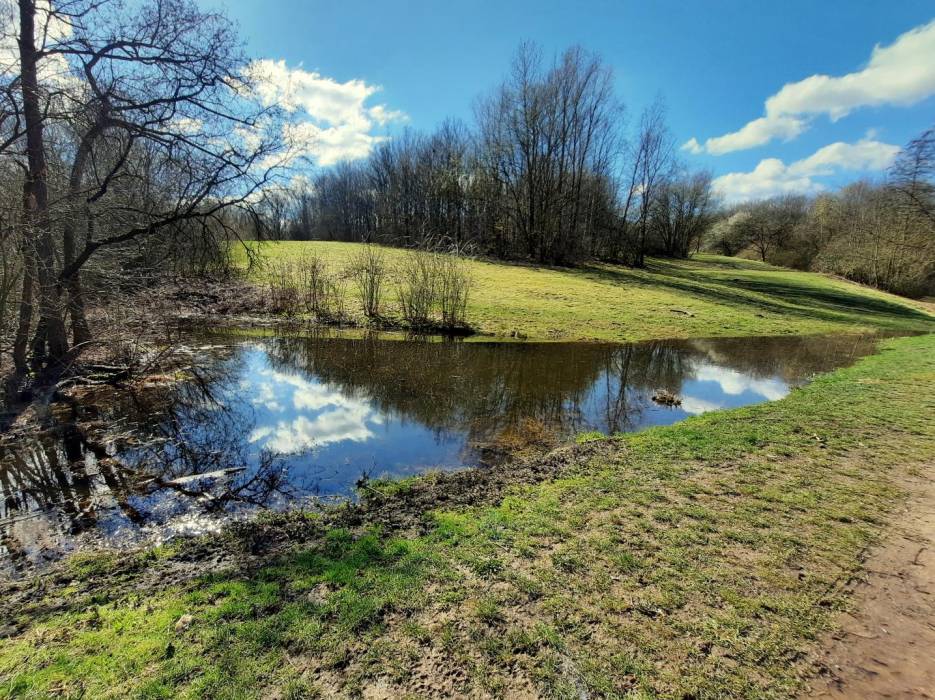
(706, 296)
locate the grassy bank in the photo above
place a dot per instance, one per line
(695, 560)
(706, 296)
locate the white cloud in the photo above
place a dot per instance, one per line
(303, 433)
(266, 396)
(50, 29)
(331, 121)
(692, 146)
(382, 116)
(189, 126)
(696, 406)
(866, 154)
(900, 74)
(773, 177)
(329, 145)
(261, 433)
(756, 133)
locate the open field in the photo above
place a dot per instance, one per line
(706, 296)
(702, 559)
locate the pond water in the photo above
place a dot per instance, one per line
(280, 421)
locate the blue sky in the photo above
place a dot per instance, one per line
(715, 63)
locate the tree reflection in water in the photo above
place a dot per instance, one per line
(265, 424)
(131, 465)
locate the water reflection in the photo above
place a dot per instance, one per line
(267, 424)
(298, 413)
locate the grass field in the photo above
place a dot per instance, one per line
(697, 560)
(706, 296)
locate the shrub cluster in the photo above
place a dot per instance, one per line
(431, 288)
(433, 285)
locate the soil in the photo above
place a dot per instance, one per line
(885, 644)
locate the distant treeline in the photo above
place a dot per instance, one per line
(881, 234)
(548, 172)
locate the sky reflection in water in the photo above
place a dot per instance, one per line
(277, 421)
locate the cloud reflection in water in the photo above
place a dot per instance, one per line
(295, 414)
(712, 387)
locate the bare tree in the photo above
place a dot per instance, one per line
(545, 134)
(681, 212)
(164, 141)
(772, 222)
(913, 175)
(51, 328)
(652, 158)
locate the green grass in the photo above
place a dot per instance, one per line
(696, 560)
(706, 296)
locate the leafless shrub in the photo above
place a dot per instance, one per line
(283, 295)
(319, 290)
(336, 307)
(313, 279)
(368, 270)
(417, 288)
(454, 284)
(432, 284)
(124, 343)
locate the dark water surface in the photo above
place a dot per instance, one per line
(276, 422)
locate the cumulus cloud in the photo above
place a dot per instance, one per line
(696, 406)
(51, 29)
(900, 74)
(303, 433)
(756, 133)
(866, 154)
(693, 146)
(331, 144)
(773, 177)
(382, 116)
(330, 120)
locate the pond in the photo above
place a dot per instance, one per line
(279, 422)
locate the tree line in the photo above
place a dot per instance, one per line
(547, 172)
(877, 233)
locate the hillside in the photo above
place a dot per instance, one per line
(706, 296)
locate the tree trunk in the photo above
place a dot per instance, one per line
(37, 199)
(21, 341)
(81, 332)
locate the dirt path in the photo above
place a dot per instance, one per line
(885, 645)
